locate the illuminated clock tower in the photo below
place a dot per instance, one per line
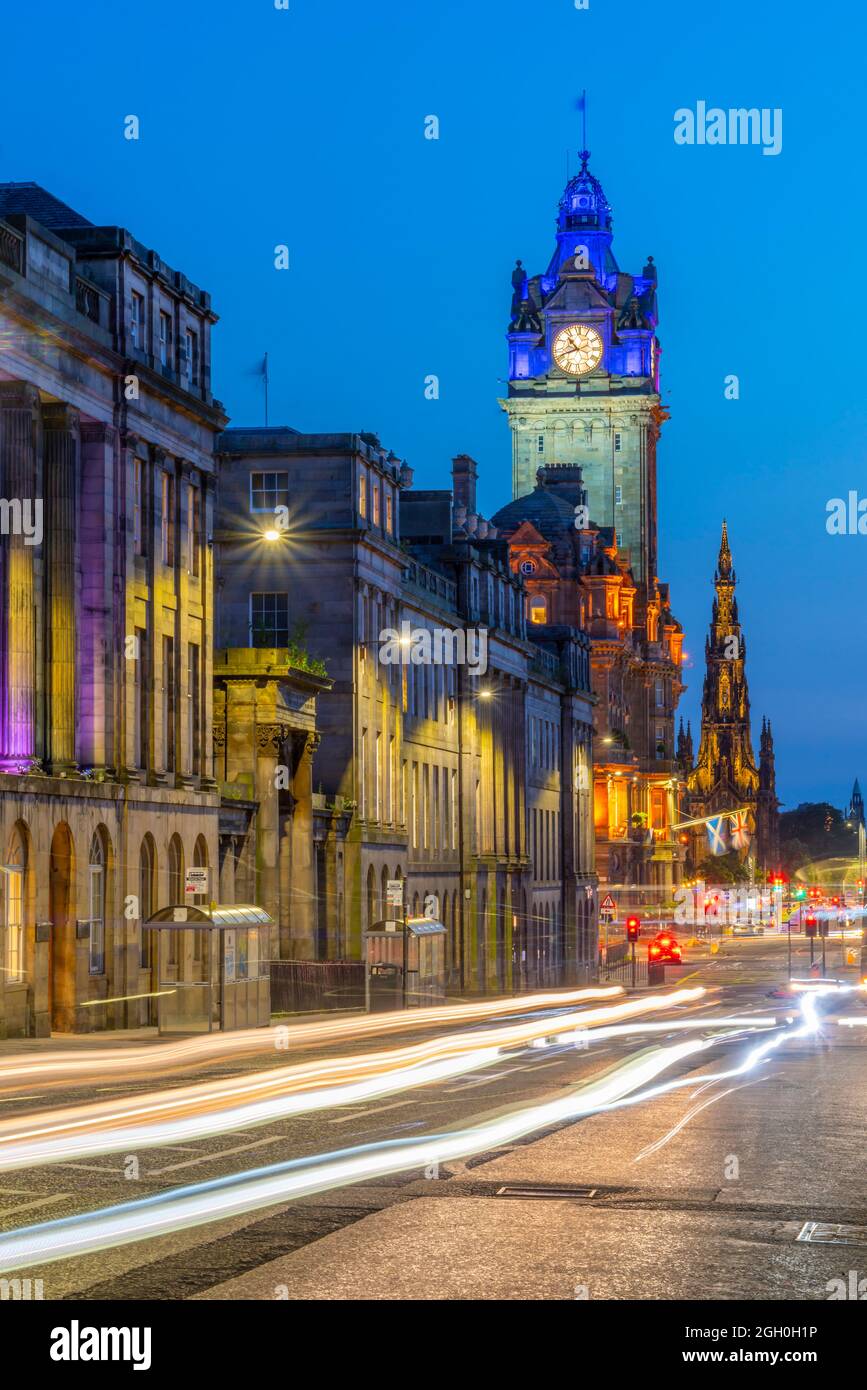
(584, 373)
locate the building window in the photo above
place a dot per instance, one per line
(169, 704)
(362, 774)
(390, 782)
(269, 620)
(268, 491)
(618, 495)
(538, 609)
(619, 539)
(176, 891)
(540, 444)
(414, 807)
(13, 882)
(377, 775)
(374, 499)
(141, 699)
(362, 495)
(146, 876)
(138, 506)
(194, 695)
(165, 338)
(389, 511)
(454, 810)
(96, 906)
(136, 321)
(191, 356)
(194, 529)
(200, 861)
(168, 519)
(618, 441)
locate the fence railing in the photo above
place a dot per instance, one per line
(315, 986)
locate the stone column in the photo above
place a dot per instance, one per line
(60, 443)
(298, 930)
(97, 633)
(18, 471)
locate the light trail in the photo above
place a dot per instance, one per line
(238, 1194)
(163, 1118)
(102, 1062)
(217, 1200)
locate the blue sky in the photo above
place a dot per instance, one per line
(305, 127)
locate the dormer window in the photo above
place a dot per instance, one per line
(537, 609)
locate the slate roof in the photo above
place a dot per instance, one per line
(38, 203)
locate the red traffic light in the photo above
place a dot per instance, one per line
(633, 928)
(810, 926)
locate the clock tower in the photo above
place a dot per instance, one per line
(584, 374)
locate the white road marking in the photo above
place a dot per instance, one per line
(345, 1119)
(37, 1202)
(213, 1157)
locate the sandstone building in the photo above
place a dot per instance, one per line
(107, 791)
(472, 788)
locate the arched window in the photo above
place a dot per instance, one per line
(537, 609)
(176, 889)
(147, 895)
(96, 871)
(384, 880)
(371, 897)
(200, 861)
(13, 883)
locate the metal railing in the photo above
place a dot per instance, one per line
(11, 248)
(315, 986)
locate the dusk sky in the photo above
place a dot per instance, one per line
(306, 127)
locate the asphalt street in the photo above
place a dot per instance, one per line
(698, 1193)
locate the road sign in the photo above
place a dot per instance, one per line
(394, 892)
(608, 904)
(196, 881)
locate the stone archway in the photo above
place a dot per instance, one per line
(62, 990)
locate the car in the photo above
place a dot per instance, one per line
(747, 929)
(663, 948)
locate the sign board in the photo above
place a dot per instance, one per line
(394, 892)
(229, 954)
(196, 881)
(608, 904)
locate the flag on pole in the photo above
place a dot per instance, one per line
(739, 831)
(716, 835)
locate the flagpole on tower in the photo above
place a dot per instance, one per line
(265, 383)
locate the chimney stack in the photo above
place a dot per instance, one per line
(464, 476)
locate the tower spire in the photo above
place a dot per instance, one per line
(724, 563)
(581, 105)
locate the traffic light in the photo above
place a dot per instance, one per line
(633, 928)
(810, 926)
(800, 894)
(825, 927)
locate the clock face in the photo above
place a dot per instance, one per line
(578, 349)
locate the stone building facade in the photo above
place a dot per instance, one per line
(424, 770)
(579, 579)
(106, 789)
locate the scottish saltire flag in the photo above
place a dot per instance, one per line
(739, 831)
(716, 835)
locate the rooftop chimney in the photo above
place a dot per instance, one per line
(464, 476)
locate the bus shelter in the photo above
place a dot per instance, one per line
(405, 964)
(219, 979)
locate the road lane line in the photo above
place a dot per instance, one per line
(363, 1114)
